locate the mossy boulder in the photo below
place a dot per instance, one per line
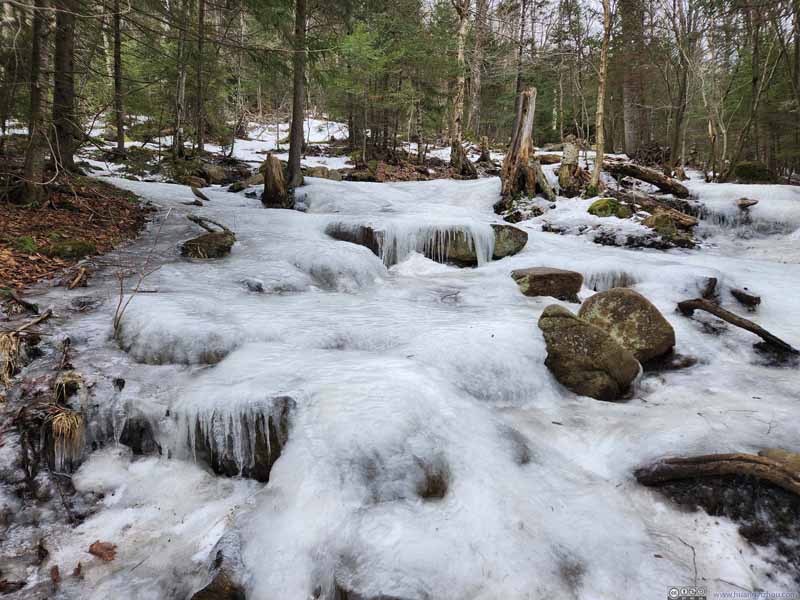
(584, 358)
(753, 171)
(508, 240)
(215, 244)
(665, 226)
(71, 249)
(610, 207)
(632, 320)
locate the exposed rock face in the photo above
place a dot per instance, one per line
(508, 240)
(215, 244)
(263, 434)
(584, 358)
(632, 320)
(138, 435)
(545, 281)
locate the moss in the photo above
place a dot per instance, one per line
(26, 244)
(71, 249)
(610, 207)
(753, 172)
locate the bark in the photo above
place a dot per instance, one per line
(298, 94)
(474, 117)
(276, 193)
(33, 170)
(779, 468)
(119, 109)
(65, 122)
(201, 32)
(568, 180)
(663, 182)
(601, 98)
(457, 156)
(521, 174)
(632, 16)
(687, 307)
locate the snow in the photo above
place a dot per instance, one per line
(411, 372)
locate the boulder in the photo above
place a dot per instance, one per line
(213, 173)
(745, 203)
(192, 181)
(632, 320)
(215, 244)
(225, 572)
(263, 434)
(508, 240)
(546, 281)
(363, 235)
(138, 435)
(610, 207)
(584, 358)
(665, 226)
(753, 171)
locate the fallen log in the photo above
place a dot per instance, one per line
(663, 182)
(777, 468)
(13, 297)
(642, 201)
(687, 308)
(751, 301)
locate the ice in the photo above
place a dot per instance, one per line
(431, 454)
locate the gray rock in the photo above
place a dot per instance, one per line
(632, 320)
(508, 240)
(584, 358)
(546, 281)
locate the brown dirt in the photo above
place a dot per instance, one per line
(78, 209)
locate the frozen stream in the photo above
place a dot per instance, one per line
(403, 372)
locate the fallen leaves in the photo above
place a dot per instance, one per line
(105, 551)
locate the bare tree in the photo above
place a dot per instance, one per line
(481, 14)
(601, 97)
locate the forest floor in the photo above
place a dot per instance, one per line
(81, 217)
(430, 451)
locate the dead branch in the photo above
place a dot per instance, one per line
(11, 295)
(203, 222)
(687, 308)
(781, 472)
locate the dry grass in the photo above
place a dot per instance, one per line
(67, 429)
(9, 356)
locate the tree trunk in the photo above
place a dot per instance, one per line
(201, 120)
(568, 180)
(474, 117)
(298, 94)
(180, 88)
(276, 193)
(632, 16)
(458, 158)
(119, 110)
(601, 98)
(64, 118)
(33, 171)
(521, 175)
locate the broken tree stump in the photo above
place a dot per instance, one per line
(568, 180)
(777, 467)
(521, 174)
(663, 182)
(461, 163)
(276, 192)
(687, 308)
